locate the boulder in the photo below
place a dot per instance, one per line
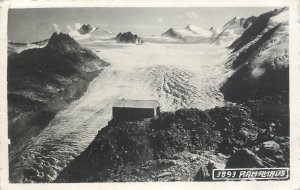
(272, 153)
(128, 37)
(245, 158)
(271, 146)
(205, 172)
(202, 174)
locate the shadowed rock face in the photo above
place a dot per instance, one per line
(85, 29)
(43, 81)
(128, 37)
(255, 29)
(249, 21)
(63, 42)
(260, 73)
(245, 159)
(188, 27)
(171, 33)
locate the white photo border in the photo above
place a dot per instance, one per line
(294, 67)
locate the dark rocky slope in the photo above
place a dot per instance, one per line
(128, 37)
(147, 150)
(43, 81)
(180, 146)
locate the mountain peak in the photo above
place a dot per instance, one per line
(62, 42)
(188, 27)
(85, 28)
(170, 33)
(129, 37)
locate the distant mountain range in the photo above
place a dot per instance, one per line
(190, 33)
(224, 34)
(82, 33)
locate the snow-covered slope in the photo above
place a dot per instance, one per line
(177, 75)
(225, 34)
(258, 28)
(261, 59)
(232, 30)
(189, 34)
(196, 30)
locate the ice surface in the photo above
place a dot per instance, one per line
(177, 75)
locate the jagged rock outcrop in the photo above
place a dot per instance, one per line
(128, 37)
(237, 127)
(42, 81)
(205, 173)
(85, 29)
(244, 159)
(172, 34)
(265, 155)
(258, 27)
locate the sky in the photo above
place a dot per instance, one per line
(29, 25)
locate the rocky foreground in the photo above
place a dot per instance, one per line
(180, 146)
(251, 132)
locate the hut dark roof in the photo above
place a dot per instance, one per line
(136, 104)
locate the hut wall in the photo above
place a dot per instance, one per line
(132, 114)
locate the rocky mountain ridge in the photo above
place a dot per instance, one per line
(261, 82)
(190, 33)
(42, 81)
(230, 31)
(86, 28)
(260, 59)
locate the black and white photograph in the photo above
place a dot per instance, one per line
(148, 94)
